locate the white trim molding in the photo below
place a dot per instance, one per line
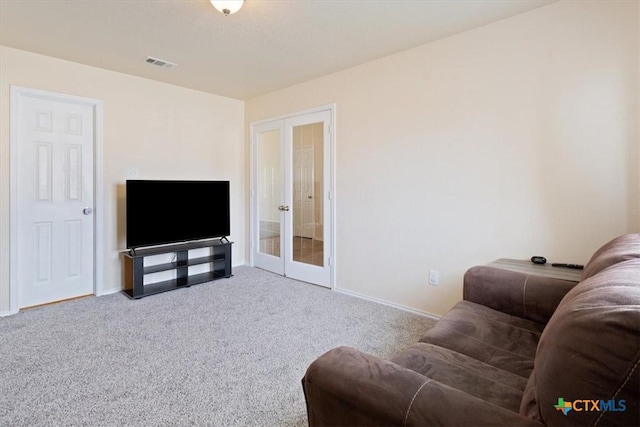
(390, 304)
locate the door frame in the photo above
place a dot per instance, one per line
(332, 177)
(18, 92)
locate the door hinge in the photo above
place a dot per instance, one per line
(329, 195)
(330, 261)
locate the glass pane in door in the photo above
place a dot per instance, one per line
(268, 191)
(307, 209)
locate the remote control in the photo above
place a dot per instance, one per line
(575, 266)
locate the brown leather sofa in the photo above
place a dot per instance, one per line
(519, 350)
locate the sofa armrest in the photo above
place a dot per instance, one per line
(437, 404)
(524, 295)
(345, 386)
(348, 387)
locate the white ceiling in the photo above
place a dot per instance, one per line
(266, 46)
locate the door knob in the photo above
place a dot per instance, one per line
(283, 208)
(87, 211)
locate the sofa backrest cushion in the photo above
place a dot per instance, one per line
(588, 355)
(617, 250)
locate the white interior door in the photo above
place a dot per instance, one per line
(303, 199)
(55, 221)
(292, 206)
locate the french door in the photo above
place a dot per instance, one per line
(292, 206)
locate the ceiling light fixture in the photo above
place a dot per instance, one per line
(227, 6)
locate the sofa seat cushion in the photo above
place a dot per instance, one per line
(464, 373)
(498, 339)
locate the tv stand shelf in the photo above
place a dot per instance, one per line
(219, 260)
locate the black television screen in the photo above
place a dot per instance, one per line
(161, 212)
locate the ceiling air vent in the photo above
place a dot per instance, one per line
(159, 62)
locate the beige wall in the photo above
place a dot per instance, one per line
(515, 139)
(164, 131)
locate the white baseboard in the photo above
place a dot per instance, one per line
(7, 313)
(109, 292)
(390, 304)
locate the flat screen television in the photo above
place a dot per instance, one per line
(161, 212)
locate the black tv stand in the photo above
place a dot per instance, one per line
(219, 260)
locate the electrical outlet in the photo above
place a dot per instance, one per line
(434, 277)
(132, 173)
